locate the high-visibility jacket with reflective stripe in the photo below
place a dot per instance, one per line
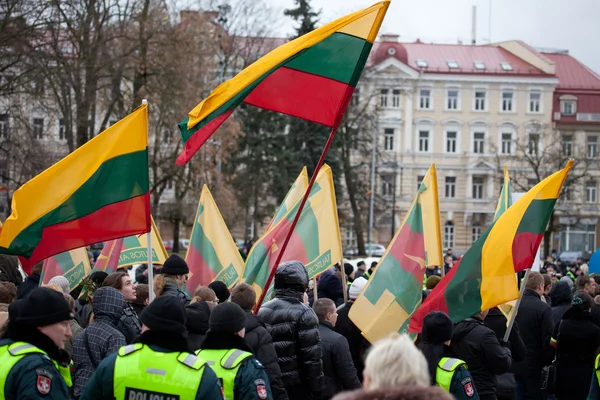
(141, 371)
(445, 371)
(226, 364)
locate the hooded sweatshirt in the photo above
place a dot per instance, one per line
(561, 301)
(102, 334)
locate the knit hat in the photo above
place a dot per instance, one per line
(348, 269)
(175, 265)
(165, 314)
(98, 277)
(437, 328)
(357, 287)
(220, 289)
(43, 307)
(568, 280)
(61, 282)
(227, 318)
(432, 282)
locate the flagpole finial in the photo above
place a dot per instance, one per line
(144, 101)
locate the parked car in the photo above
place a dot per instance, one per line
(372, 249)
(183, 244)
(569, 256)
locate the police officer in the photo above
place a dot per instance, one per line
(224, 348)
(158, 365)
(33, 362)
(447, 372)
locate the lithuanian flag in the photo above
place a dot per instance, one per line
(312, 77)
(485, 276)
(293, 195)
(97, 193)
(73, 265)
(212, 253)
(505, 200)
(108, 260)
(315, 241)
(394, 291)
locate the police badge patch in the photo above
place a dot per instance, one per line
(469, 391)
(261, 388)
(44, 384)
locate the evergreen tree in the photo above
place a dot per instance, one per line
(305, 15)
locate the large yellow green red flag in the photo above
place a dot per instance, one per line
(312, 77)
(315, 241)
(394, 290)
(292, 197)
(212, 253)
(485, 276)
(73, 265)
(98, 192)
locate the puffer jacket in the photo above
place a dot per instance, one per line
(9, 269)
(560, 296)
(129, 324)
(171, 289)
(102, 335)
(477, 345)
(259, 340)
(294, 328)
(196, 323)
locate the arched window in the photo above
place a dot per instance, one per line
(449, 235)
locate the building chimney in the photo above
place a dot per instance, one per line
(474, 26)
(390, 37)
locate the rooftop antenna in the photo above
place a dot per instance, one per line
(490, 23)
(474, 26)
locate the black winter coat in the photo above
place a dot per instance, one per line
(536, 326)
(577, 344)
(30, 283)
(129, 324)
(356, 341)
(9, 269)
(560, 297)
(477, 345)
(338, 368)
(294, 328)
(260, 341)
(196, 323)
(171, 289)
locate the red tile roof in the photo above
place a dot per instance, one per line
(572, 74)
(437, 56)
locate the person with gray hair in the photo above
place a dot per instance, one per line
(61, 282)
(338, 369)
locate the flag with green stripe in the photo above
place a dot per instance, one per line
(73, 265)
(292, 197)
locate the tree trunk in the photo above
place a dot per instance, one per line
(141, 72)
(176, 224)
(351, 188)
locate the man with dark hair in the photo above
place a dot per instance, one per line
(259, 339)
(9, 269)
(129, 323)
(221, 290)
(547, 288)
(338, 369)
(142, 298)
(536, 327)
(448, 263)
(31, 282)
(361, 268)
(588, 285)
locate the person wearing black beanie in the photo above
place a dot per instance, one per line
(221, 290)
(172, 277)
(32, 347)
(451, 374)
(161, 349)
(224, 348)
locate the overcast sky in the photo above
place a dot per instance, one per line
(572, 25)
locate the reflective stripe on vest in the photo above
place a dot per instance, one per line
(226, 364)
(141, 371)
(445, 371)
(11, 354)
(597, 365)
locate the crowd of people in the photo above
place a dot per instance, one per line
(108, 341)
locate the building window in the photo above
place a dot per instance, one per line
(450, 187)
(567, 145)
(535, 102)
(592, 146)
(507, 101)
(4, 127)
(387, 185)
(479, 65)
(475, 232)
(533, 144)
(568, 107)
(62, 129)
(422, 63)
(452, 64)
(478, 187)
(396, 98)
(590, 192)
(383, 98)
(424, 141)
(452, 99)
(451, 141)
(388, 134)
(419, 181)
(425, 99)
(506, 66)
(449, 235)
(38, 128)
(506, 143)
(480, 103)
(478, 141)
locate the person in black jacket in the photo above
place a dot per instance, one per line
(330, 286)
(294, 328)
(173, 275)
(259, 339)
(477, 345)
(576, 339)
(535, 325)
(129, 323)
(31, 282)
(338, 368)
(560, 297)
(496, 321)
(196, 323)
(9, 269)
